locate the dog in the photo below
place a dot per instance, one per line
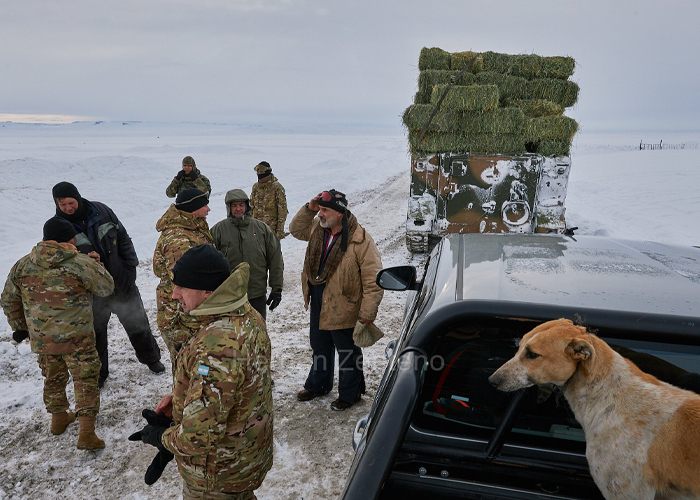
(642, 435)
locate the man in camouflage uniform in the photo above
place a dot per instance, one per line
(183, 226)
(268, 200)
(189, 176)
(48, 295)
(221, 404)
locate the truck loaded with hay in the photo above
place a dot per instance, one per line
(490, 145)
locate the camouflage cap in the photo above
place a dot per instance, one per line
(262, 167)
(188, 160)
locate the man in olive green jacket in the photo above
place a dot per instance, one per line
(338, 282)
(221, 404)
(242, 238)
(48, 297)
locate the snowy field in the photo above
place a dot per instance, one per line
(615, 190)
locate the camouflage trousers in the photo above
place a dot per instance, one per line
(189, 493)
(165, 316)
(84, 367)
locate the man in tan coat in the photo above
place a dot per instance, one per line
(341, 263)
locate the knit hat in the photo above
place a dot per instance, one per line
(201, 268)
(59, 230)
(188, 160)
(65, 190)
(335, 200)
(262, 167)
(191, 199)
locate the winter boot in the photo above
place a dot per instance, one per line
(59, 421)
(87, 440)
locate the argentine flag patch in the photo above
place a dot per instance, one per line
(203, 370)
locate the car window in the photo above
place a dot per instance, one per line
(457, 398)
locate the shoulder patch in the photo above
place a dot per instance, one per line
(203, 370)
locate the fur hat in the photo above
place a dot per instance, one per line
(201, 268)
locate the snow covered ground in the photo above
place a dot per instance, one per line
(614, 190)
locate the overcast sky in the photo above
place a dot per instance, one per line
(334, 61)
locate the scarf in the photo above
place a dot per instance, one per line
(314, 252)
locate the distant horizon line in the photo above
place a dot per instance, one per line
(63, 120)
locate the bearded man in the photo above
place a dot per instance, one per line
(338, 282)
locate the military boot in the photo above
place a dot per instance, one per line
(59, 421)
(87, 439)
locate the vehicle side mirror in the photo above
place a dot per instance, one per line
(398, 278)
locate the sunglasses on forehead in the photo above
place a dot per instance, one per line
(329, 195)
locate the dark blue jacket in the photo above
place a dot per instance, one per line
(108, 237)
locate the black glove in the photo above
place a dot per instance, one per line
(20, 335)
(180, 175)
(151, 434)
(274, 299)
(155, 470)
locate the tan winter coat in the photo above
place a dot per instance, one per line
(351, 293)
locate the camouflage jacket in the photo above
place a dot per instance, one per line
(200, 182)
(179, 231)
(222, 399)
(268, 202)
(49, 293)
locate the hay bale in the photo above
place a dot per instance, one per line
(441, 142)
(559, 128)
(533, 108)
(458, 60)
(467, 98)
(416, 118)
(563, 92)
(498, 63)
(498, 121)
(533, 66)
(429, 78)
(495, 144)
(529, 66)
(552, 147)
(433, 58)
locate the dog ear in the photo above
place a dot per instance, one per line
(579, 350)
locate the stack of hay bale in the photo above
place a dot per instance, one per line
(508, 104)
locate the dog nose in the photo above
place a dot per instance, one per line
(495, 380)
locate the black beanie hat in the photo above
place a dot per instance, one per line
(59, 230)
(334, 200)
(201, 268)
(65, 190)
(191, 199)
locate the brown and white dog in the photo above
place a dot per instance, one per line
(642, 435)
